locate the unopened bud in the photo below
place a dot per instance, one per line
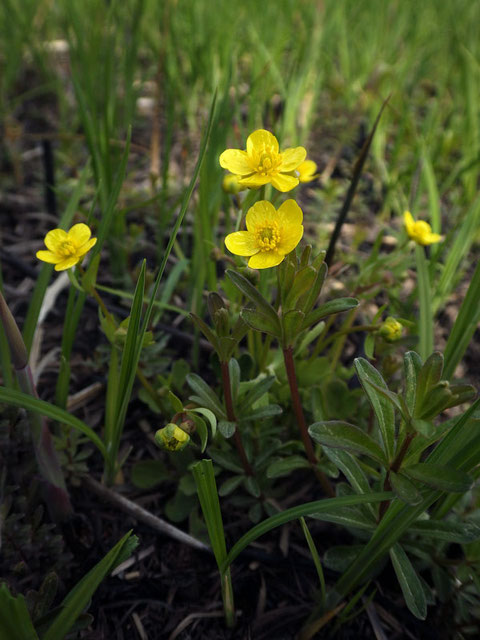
(172, 438)
(390, 329)
(230, 184)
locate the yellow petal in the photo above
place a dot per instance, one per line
(241, 243)
(430, 238)
(307, 170)
(81, 251)
(292, 158)
(283, 182)
(290, 237)
(254, 181)
(260, 140)
(290, 213)
(409, 222)
(262, 212)
(54, 239)
(67, 263)
(48, 256)
(265, 259)
(79, 234)
(235, 161)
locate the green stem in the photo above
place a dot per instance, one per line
(395, 467)
(302, 425)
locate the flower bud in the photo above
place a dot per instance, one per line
(390, 329)
(172, 438)
(230, 184)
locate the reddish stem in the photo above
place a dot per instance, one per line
(302, 425)
(227, 393)
(395, 467)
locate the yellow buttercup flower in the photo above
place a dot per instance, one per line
(263, 162)
(420, 231)
(306, 171)
(66, 248)
(270, 234)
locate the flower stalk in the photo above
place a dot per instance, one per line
(302, 425)
(237, 438)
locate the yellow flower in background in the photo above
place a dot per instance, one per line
(231, 184)
(66, 248)
(270, 234)
(420, 231)
(263, 162)
(172, 438)
(306, 171)
(391, 329)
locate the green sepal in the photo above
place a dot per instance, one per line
(329, 308)
(336, 433)
(439, 477)
(404, 488)
(291, 321)
(261, 322)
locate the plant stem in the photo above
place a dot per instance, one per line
(395, 467)
(227, 393)
(302, 425)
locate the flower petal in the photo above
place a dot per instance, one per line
(289, 213)
(241, 243)
(235, 161)
(67, 263)
(290, 237)
(79, 234)
(409, 222)
(283, 182)
(265, 259)
(307, 170)
(430, 238)
(81, 251)
(292, 158)
(54, 239)
(49, 256)
(254, 181)
(260, 140)
(261, 213)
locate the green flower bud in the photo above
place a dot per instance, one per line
(230, 184)
(390, 329)
(172, 438)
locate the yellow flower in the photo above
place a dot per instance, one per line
(306, 171)
(66, 248)
(420, 231)
(391, 329)
(172, 438)
(231, 184)
(262, 162)
(270, 234)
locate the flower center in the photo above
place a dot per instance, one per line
(67, 248)
(267, 236)
(266, 163)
